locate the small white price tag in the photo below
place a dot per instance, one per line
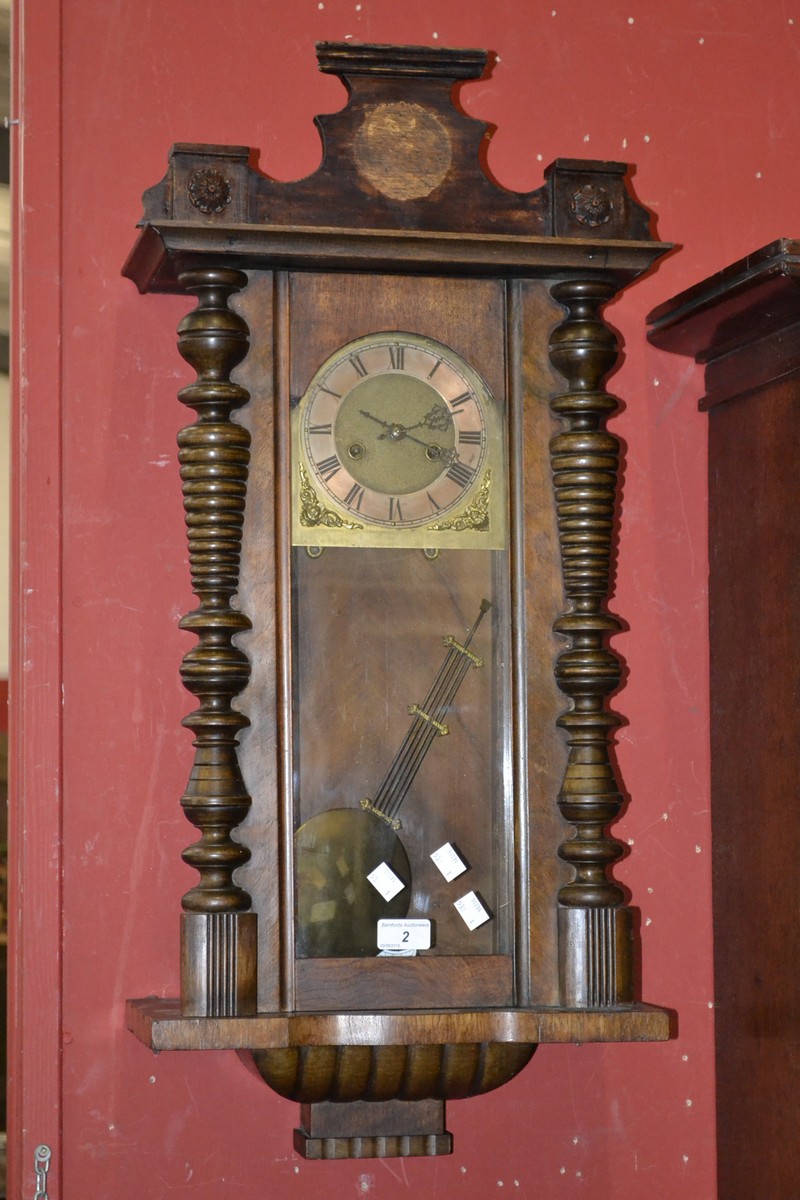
(384, 880)
(449, 862)
(471, 910)
(404, 936)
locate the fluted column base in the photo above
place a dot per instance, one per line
(218, 964)
(595, 957)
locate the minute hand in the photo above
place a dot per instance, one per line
(398, 433)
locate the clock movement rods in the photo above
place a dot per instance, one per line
(427, 722)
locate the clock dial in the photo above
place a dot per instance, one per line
(396, 434)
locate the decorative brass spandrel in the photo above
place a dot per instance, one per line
(313, 513)
(475, 517)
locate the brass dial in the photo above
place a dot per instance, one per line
(394, 434)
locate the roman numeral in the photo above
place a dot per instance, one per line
(460, 474)
(469, 437)
(434, 368)
(354, 496)
(320, 428)
(358, 365)
(330, 392)
(395, 511)
(328, 467)
(432, 502)
(461, 400)
(397, 357)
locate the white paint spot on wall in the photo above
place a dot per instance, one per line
(685, 1159)
(646, 137)
(631, 20)
(297, 1170)
(562, 1170)
(697, 850)
(500, 1183)
(366, 1183)
(665, 816)
(701, 41)
(684, 1058)
(624, 143)
(435, 35)
(538, 159)
(152, 1078)
(631, 842)
(575, 1140)
(649, 921)
(689, 1103)
(111, 1127)
(656, 383)
(579, 1174)
(758, 175)
(463, 1170)
(649, 891)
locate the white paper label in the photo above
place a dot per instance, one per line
(449, 862)
(471, 910)
(384, 880)
(404, 936)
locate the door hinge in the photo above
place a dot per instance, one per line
(41, 1165)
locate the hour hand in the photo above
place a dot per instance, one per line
(438, 418)
(396, 432)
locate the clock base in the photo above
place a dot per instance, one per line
(358, 1130)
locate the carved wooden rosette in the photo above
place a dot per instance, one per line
(218, 932)
(595, 948)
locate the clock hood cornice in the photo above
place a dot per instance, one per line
(399, 156)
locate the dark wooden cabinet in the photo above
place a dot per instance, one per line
(744, 325)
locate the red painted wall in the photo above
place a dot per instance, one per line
(703, 99)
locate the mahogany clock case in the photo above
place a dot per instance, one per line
(312, 641)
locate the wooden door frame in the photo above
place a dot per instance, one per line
(35, 761)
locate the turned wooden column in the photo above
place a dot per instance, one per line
(594, 926)
(218, 930)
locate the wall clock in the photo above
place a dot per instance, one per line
(399, 496)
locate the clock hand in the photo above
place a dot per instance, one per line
(371, 417)
(397, 433)
(438, 418)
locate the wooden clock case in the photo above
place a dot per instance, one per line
(400, 219)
